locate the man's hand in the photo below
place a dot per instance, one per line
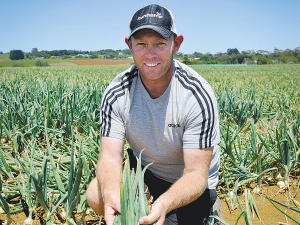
(157, 214)
(110, 210)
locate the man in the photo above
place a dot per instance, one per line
(166, 108)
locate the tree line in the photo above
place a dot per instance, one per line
(232, 56)
(65, 54)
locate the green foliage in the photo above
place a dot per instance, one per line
(40, 63)
(289, 59)
(30, 62)
(17, 65)
(16, 54)
(34, 50)
(66, 57)
(28, 56)
(4, 56)
(231, 51)
(186, 60)
(233, 56)
(134, 202)
(224, 58)
(262, 59)
(108, 54)
(93, 56)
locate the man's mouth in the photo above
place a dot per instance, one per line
(151, 64)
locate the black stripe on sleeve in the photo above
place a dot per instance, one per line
(204, 100)
(111, 97)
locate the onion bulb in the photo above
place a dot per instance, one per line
(270, 177)
(281, 184)
(229, 196)
(29, 220)
(279, 176)
(256, 190)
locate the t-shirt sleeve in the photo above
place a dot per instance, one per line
(201, 122)
(112, 123)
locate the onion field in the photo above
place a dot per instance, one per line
(50, 141)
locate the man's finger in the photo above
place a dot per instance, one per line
(110, 215)
(151, 219)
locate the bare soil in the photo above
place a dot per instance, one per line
(268, 213)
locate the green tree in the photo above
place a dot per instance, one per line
(126, 52)
(205, 59)
(66, 57)
(179, 54)
(277, 53)
(34, 50)
(231, 51)
(289, 59)
(245, 57)
(197, 54)
(288, 52)
(16, 55)
(93, 56)
(186, 60)
(262, 59)
(297, 53)
(224, 58)
(28, 56)
(233, 58)
(262, 52)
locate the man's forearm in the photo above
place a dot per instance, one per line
(109, 166)
(184, 191)
(193, 182)
(109, 176)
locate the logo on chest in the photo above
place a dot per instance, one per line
(174, 125)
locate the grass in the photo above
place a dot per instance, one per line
(4, 56)
(6, 62)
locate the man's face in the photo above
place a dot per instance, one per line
(153, 54)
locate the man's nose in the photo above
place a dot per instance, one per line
(150, 51)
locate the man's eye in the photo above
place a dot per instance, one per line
(161, 43)
(141, 44)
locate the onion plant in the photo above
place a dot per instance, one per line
(250, 206)
(4, 205)
(26, 193)
(283, 150)
(134, 202)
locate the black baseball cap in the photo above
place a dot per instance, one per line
(154, 17)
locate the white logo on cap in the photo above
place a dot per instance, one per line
(158, 15)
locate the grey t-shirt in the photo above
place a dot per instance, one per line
(185, 116)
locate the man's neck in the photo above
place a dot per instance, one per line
(158, 87)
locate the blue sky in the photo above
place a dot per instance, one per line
(207, 26)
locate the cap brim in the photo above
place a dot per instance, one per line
(165, 33)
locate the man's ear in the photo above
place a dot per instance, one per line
(129, 44)
(177, 43)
